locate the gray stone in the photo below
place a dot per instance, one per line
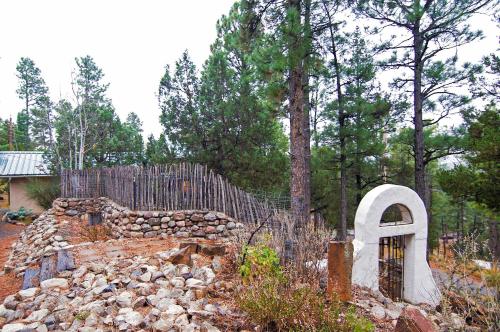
(146, 227)
(139, 302)
(210, 216)
(378, 312)
(221, 215)
(150, 234)
(217, 264)
(231, 225)
(154, 221)
(71, 213)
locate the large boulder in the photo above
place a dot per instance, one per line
(412, 320)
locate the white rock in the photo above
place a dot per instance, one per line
(27, 293)
(210, 308)
(206, 326)
(99, 290)
(133, 318)
(174, 310)
(38, 315)
(193, 283)
(204, 273)
(191, 327)
(146, 277)
(169, 270)
(91, 320)
(13, 327)
(101, 281)
(164, 325)
(177, 282)
(124, 299)
(54, 283)
(164, 304)
(41, 328)
(182, 320)
(4, 311)
(162, 293)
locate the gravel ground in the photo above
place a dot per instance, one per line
(8, 234)
(7, 230)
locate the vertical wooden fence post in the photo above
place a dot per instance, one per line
(340, 259)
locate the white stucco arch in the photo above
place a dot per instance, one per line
(419, 285)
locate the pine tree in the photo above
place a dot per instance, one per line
(35, 121)
(429, 28)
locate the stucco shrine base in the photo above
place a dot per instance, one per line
(418, 284)
(125, 223)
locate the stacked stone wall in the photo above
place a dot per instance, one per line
(125, 223)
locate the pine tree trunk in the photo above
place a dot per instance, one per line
(307, 108)
(494, 240)
(420, 183)
(342, 225)
(300, 206)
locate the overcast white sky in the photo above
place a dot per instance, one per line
(131, 41)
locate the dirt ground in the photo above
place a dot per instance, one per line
(8, 234)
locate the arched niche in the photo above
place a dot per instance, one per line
(419, 285)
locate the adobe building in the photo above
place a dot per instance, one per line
(18, 167)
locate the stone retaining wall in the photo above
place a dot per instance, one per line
(38, 239)
(138, 224)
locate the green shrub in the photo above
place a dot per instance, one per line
(82, 315)
(259, 260)
(19, 214)
(43, 192)
(278, 305)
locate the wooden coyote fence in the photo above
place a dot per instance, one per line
(167, 187)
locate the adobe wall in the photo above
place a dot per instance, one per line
(19, 195)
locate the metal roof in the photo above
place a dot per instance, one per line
(22, 164)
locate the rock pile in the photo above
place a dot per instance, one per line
(405, 317)
(138, 293)
(39, 239)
